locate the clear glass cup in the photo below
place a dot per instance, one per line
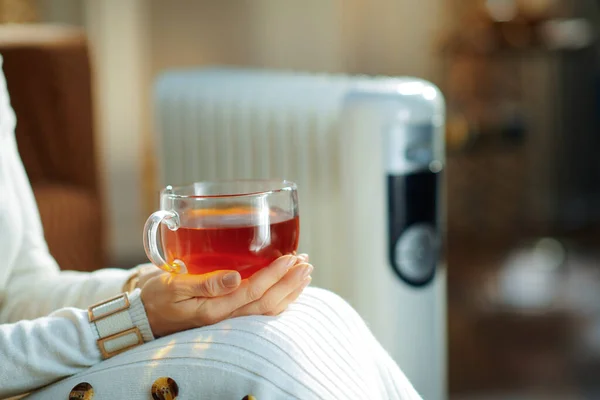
(241, 225)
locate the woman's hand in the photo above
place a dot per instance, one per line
(176, 302)
(147, 272)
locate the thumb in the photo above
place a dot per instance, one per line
(213, 284)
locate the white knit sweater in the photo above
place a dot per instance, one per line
(320, 348)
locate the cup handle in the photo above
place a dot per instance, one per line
(171, 219)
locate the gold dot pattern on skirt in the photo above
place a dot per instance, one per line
(249, 397)
(165, 388)
(82, 391)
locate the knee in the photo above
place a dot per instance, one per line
(325, 301)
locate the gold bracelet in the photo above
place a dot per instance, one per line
(131, 282)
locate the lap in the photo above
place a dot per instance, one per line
(318, 348)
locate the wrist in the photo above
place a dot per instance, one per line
(151, 314)
(132, 282)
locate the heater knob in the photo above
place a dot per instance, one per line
(416, 253)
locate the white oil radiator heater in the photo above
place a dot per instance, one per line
(367, 154)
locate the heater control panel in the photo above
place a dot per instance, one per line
(413, 194)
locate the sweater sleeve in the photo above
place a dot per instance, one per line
(48, 339)
(41, 351)
(36, 286)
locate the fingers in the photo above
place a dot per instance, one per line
(274, 298)
(302, 257)
(251, 289)
(209, 298)
(283, 305)
(213, 284)
(263, 280)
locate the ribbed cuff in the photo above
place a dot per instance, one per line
(95, 331)
(137, 312)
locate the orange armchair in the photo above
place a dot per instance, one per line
(48, 75)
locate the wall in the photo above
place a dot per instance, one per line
(377, 36)
(61, 11)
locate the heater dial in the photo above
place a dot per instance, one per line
(416, 253)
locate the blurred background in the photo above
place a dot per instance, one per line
(522, 84)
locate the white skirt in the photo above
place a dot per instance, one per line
(317, 349)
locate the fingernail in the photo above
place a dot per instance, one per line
(289, 263)
(304, 271)
(305, 282)
(232, 279)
